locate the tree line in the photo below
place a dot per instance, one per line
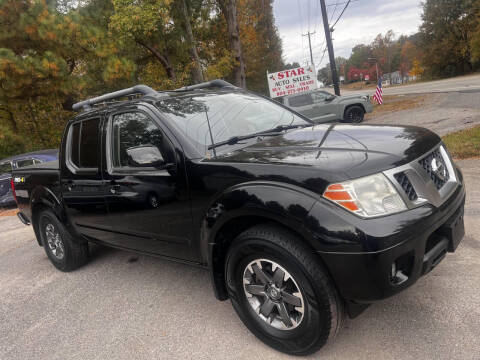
(56, 52)
(447, 44)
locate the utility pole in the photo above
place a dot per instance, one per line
(331, 55)
(376, 64)
(310, 46)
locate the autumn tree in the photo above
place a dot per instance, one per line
(56, 52)
(447, 31)
(45, 61)
(229, 11)
(475, 38)
(292, 65)
(262, 47)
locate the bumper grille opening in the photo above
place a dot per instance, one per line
(433, 240)
(406, 186)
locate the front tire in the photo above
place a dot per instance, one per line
(281, 292)
(63, 251)
(354, 114)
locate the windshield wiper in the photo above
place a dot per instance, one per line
(270, 132)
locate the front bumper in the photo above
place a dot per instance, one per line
(416, 241)
(368, 106)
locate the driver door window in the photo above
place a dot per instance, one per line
(137, 143)
(319, 98)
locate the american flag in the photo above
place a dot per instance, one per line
(378, 97)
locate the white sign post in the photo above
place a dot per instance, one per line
(293, 81)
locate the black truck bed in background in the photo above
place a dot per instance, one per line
(51, 165)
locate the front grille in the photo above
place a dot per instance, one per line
(426, 163)
(406, 186)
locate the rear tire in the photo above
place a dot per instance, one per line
(298, 325)
(354, 114)
(60, 247)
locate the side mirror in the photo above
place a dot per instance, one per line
(145, 156)
(330, 98)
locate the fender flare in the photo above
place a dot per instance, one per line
(287, 205)
(45, 198)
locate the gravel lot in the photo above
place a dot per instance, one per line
(124, 306)
(442, 112)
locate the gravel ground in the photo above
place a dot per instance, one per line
(124, 306)
(442, 113)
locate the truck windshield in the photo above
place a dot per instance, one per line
(229, 114)
(5, 168)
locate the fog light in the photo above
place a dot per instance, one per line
(397, 277)
(393, 271)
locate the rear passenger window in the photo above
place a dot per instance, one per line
(85, 144)
(300, 100)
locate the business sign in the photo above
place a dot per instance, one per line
(367, 77)
(293, 81)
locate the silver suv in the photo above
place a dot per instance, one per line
(321, 106)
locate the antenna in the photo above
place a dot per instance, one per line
(210, 130)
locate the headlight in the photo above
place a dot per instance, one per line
(369, 196)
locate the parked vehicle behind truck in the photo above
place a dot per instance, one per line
(320, 106)
(18, 161)
(298, 224)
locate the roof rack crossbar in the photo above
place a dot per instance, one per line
(137, 89)
(209, 84)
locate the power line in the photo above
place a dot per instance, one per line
(333, 13)
(324, 52)
(340, 3)
(345, 8)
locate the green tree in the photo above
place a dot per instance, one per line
(447, 32)
(48, 58)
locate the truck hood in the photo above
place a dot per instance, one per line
(344, 98)
(344, 151)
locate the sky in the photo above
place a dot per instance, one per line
(362, 21)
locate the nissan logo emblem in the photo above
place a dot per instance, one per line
(439, 168)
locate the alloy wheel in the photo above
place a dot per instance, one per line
(54, 241)
(355, 115)
(273, 294)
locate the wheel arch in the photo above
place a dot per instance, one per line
(248, 205)
(41, 199)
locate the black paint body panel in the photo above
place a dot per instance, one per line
(279, 178)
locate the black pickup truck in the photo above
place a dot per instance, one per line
(298, 224)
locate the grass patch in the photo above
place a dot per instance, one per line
(464, 143)
(359, 86)
(398, 102)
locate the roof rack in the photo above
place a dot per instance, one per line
(209, 84)
(146, 90)
(137, 89)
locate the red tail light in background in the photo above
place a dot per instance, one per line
(12, 184)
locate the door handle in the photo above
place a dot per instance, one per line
(114, 188)
(70, 185)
